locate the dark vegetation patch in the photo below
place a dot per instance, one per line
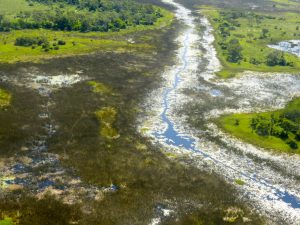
(18, 120)
(47, 211)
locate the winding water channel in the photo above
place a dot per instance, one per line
(270, 180)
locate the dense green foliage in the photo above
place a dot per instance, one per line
(234, 51)
(87, 15)
(281, 126)
(45, 44)
(277, 58)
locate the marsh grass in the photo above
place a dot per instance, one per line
(100, 88)
(5, 98)
(145, 176)
(107, 117)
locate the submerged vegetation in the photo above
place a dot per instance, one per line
(242, 40)
(279, 130)
(107, 118)
(100, 88)
(5, 98)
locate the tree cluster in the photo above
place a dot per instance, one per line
(276, 58)
(84, 15)
(284, 126)
(34, 42)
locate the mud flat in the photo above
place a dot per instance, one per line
(181, 113)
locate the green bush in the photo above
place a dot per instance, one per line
(61, 42)
(30, 41)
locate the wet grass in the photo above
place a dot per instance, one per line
(107, 118)
(145, 177)
(36, 212)
(19, 120)
(100, 88)
(281, 27)
(245, 133)
(5, 98)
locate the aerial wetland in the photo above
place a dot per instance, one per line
(149, 112)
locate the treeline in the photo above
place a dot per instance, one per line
(285, 126)
(83, 15)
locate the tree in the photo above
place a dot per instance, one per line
(276, 58)
(234, 51)
(264, 33)
(292, 144)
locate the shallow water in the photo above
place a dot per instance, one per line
(270, 191)
(292, 46)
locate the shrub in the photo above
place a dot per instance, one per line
(292, 144)
(234, 51)
(254, 61)
(276, 58)
(30, 41)
(61, 42)
(25, 41)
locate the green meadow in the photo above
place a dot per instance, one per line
(247, 28)
(239, 125)
(76, 42)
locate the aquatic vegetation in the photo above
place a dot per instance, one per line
(232, 214)
(5, 181)
(239, 182)
(107, 117)
(99, 87)
(5, 98)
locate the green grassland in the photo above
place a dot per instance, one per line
(242, 129)
(10, 7)
(76, 42)
(247, 29)
(6, 221)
